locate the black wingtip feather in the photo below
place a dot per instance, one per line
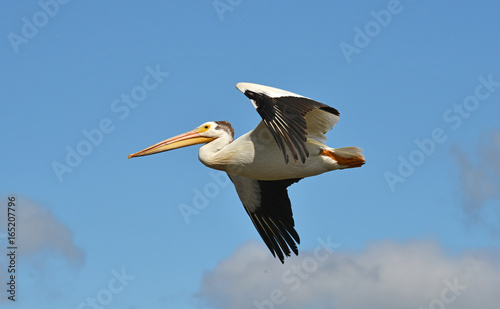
(274, 218)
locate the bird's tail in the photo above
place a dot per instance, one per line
(347, 157)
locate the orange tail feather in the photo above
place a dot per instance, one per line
(349, 156)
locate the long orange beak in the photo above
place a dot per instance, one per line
(186, 139)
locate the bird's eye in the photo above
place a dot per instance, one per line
(204, 128)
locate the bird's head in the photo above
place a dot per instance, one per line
(203, 134)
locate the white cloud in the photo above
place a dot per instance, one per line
(39, 238)
(480, 181)
(386, 275)
(38, 230)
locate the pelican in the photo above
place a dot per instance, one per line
(286, 146)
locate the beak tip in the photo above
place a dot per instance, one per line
(130, 156)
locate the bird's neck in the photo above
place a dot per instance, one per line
(209, 153)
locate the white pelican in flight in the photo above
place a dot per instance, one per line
(258, 163)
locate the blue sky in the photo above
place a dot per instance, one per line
(417, 84)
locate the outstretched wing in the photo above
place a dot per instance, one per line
(268, 205)
(291, 118)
